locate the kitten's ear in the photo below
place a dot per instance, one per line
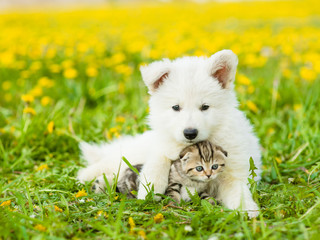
(184, 153)
(225, 153)
(223, 67)
(155, 74)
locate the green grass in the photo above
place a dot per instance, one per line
(288, 210)
(84, 109)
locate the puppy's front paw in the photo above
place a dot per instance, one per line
(253, 213)
(98, 186)
(142, 193)
(252, 209)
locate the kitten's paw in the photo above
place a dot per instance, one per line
(172, 203)
(211, 201)
(98, 186)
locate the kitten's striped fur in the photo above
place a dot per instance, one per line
(183, 172)
(129, 182)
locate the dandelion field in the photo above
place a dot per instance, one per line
(68, 76)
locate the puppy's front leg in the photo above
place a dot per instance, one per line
(235, 193)
(154, 172)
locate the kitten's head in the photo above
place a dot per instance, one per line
(203, 161)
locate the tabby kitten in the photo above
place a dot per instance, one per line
(199, 165)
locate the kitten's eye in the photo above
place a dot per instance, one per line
(199, 168)
(204, 107)
(215, 166)
(176, 108)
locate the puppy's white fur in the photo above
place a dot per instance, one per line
(188, 82)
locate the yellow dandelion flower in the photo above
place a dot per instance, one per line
(35, 66)
(70, 73)
(27, 98)
(120, 119)
(123, 69)
(158, 218)
(81, 193)
(55, 68)
(51, 53)
(57, 209)
(271, 131)
(6, 85)
(40, 228)
(42, 167)
(118, 58)
(91, 72)
(12, 129)
(286, 73)
(132, 224)
(29, 110)
(113, 132)
(278, 160)
(155, 53)
(7, 97)
(7, 58)
(101, 213)
(250, 59)
(67, 64)
(50, 126)
(45, 100)
(244, 80)
(297, 107)
(69, 52)
(108, 135)
(5, 203)
(25, 74)
(316, 66)
(36, 91)
(82, 47)
(241, 90)
(142, 234)
(251, 89)
(45, 82)
(252, 106)
(308, 74)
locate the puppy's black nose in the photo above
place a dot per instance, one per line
(190, 133)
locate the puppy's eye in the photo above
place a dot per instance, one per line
(215, 166)
(199, 168)
(176, 108)
(204, 107)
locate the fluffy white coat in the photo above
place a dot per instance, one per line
(189, 82)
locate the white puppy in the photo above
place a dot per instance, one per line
(192, 99)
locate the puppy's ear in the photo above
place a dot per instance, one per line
(223, 67)
(155, 74)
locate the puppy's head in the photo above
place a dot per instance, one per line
(191, 96)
